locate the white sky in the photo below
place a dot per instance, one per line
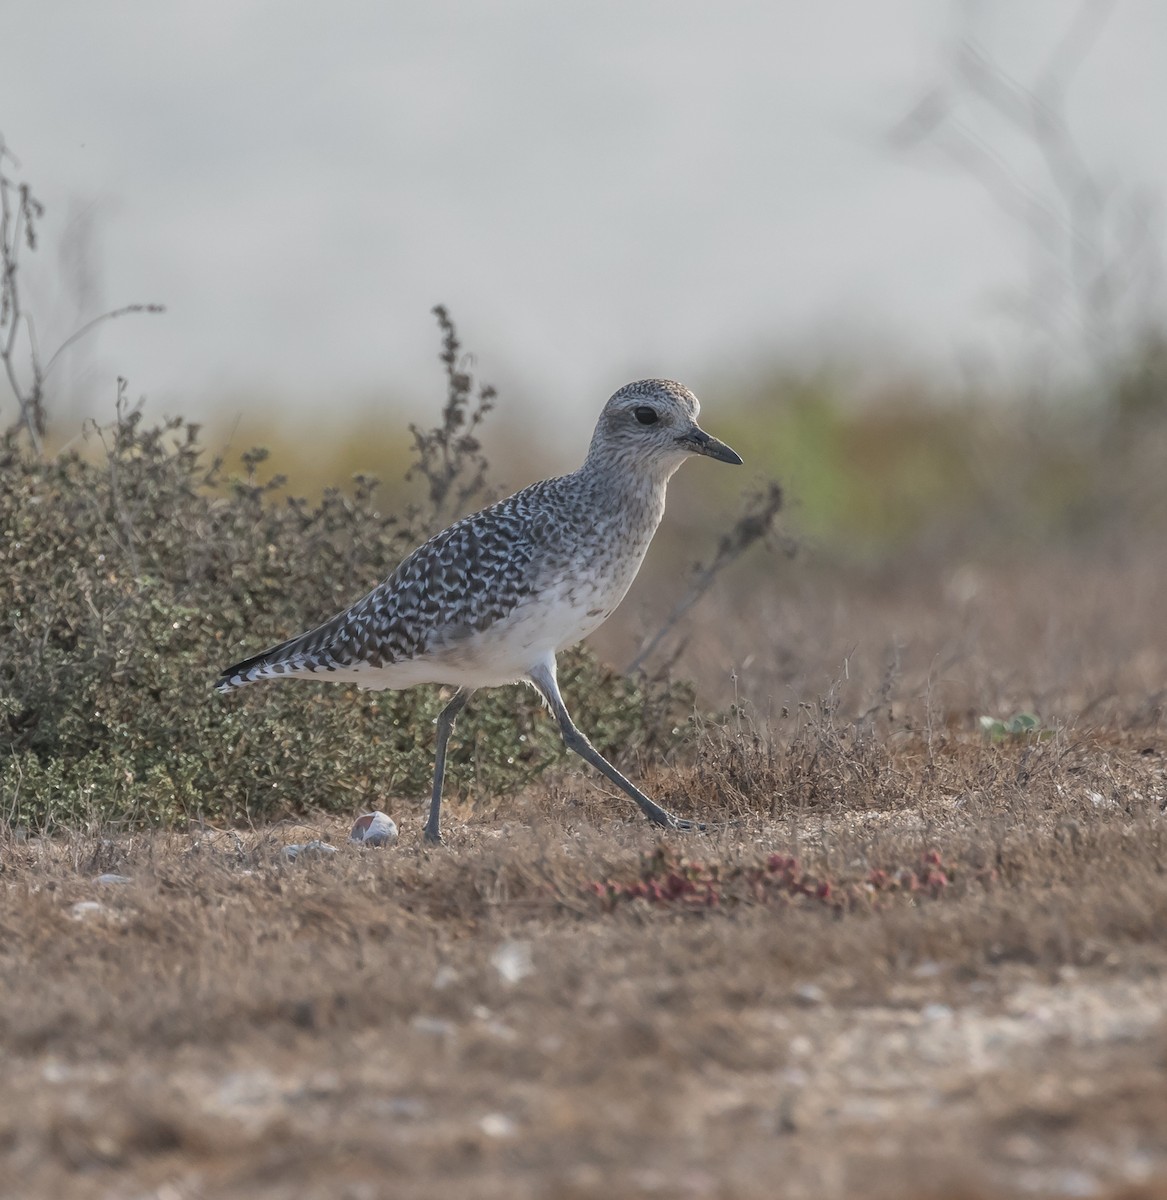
(599, 189)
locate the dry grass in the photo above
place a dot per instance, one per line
(503, 1018)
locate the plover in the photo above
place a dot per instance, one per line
(493, 598)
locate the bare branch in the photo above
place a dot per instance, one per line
(89, 326)
(755, 524)
(20, 212)
(1087, 256)
(1070, 52)
(449, 457)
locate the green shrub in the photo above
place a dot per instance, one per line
(130, 580)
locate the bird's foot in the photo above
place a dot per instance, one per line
(666, 820)
(684, 825)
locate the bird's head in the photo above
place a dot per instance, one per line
(652, 424)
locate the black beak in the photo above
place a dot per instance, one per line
(700, 442)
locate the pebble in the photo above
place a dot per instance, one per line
(374, 829)
(437, 1027)
(497, 1125)
(110, 877)
(445, 976)
(809, 994)
(312, 849)
(512, 960)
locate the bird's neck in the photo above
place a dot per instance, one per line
(627, 492)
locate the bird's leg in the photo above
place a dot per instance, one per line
(543, 677)
(446, 719)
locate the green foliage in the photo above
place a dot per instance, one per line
(918, 466)
(1018, 726)
(1139, 384)
(861, 476)
(128, 583)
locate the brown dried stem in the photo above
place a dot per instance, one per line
(19, 213)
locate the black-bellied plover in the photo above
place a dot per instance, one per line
(492, 599)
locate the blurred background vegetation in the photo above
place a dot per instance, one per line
(864, 475)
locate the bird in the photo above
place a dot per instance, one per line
(495, 597)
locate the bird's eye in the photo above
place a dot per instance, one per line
(645, 415)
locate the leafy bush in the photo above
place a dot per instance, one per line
(1019, 726)
(131, 578)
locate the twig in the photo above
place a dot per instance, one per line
(19, 213)
(89, 326)
(1083, 274)
(450, 453)
(755, 524)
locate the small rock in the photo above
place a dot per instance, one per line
(512, 960)
(312, 849)
(497, 1125)
(809, 995)
(85, 910)
(374, 829)
(936, 1012)
(437, 1027)
(110, 877)
(445, 976)
(801, 1047)
(240, 1093)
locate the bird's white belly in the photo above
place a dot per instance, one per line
(557, 617)
(553, 620)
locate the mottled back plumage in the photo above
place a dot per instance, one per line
(459, 583)
(492, 598)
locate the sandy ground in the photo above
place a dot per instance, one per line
(910, 960)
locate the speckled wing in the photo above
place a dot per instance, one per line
(461, 581)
